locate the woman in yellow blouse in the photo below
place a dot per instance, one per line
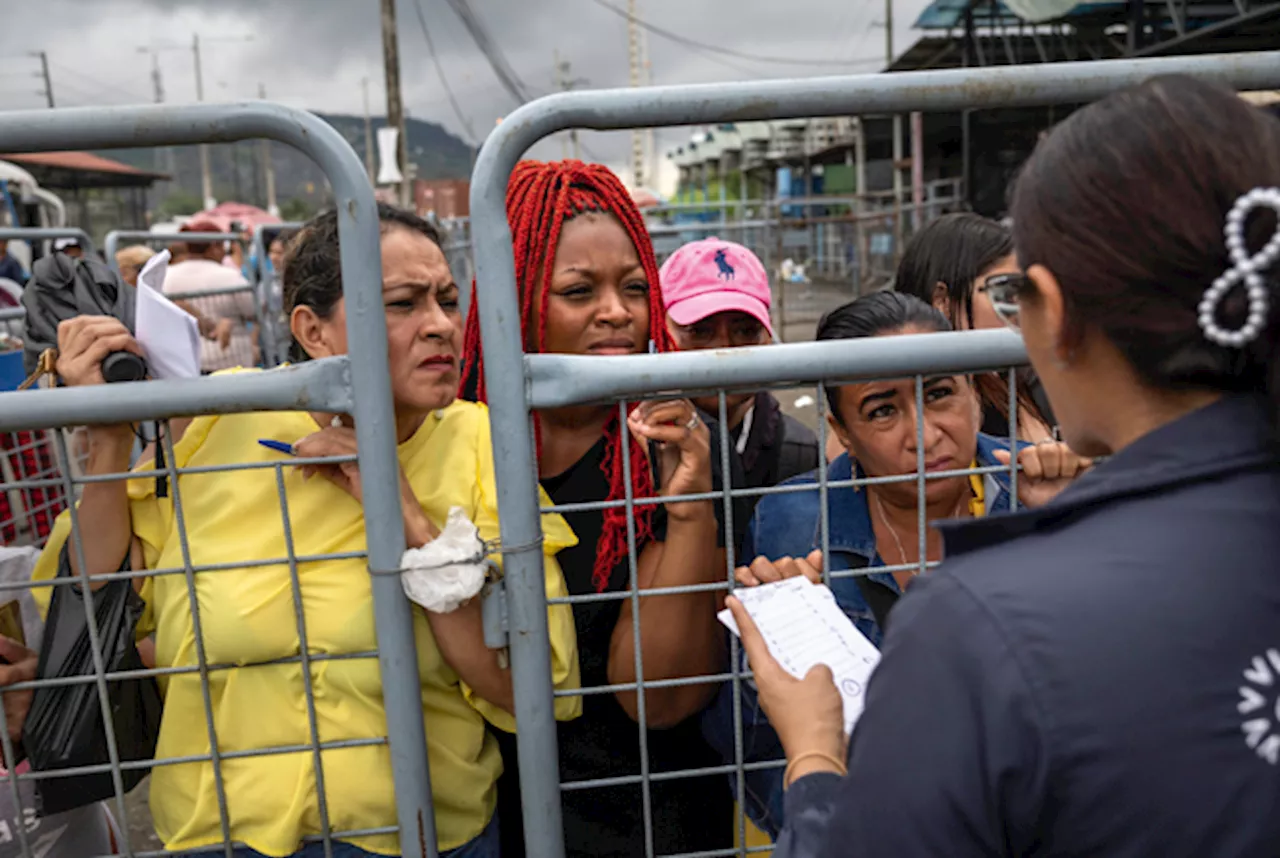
(248, 614)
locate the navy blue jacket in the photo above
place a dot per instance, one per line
(1098, 677)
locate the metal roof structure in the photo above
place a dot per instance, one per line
(989, 32)
(71, 170)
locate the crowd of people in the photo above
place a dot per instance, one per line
(1061, 680)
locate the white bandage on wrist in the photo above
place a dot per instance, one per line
(448, 571)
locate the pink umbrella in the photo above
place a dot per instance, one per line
(225, 214)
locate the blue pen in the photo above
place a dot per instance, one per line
(278, 446)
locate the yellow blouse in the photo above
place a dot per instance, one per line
(248, 618)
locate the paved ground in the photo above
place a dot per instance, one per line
(799, 308)
(142, 834)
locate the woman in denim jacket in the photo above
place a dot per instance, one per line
(875, 526)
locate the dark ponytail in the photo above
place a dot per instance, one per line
(1126, 203)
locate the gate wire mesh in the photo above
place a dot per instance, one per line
(519, 384)
(739, 766)
(356, 384)
(58, 480)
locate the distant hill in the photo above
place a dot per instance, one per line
(237, 172)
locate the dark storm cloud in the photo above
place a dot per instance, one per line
(315, 53)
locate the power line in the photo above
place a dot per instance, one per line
(506, 74)
(728, 52)
(98, 86)
(444, 82)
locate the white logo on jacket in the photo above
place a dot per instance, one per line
(1260, 700)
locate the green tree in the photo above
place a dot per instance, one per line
(179, 202)
(297, 210)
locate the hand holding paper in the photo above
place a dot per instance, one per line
(811, 665)
(169, 336)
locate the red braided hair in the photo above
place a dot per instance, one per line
(540, 198)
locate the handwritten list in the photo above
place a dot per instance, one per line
(803, 626)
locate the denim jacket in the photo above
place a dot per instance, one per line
(789, 525)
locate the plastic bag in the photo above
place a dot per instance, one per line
(64, 728)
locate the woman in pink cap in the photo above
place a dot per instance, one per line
(717, 296)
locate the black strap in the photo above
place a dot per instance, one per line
(879, 598)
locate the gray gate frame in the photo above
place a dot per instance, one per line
(518, 383)
(357, 384)
(111, 243)
(43, 233)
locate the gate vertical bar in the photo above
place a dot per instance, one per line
(521, 529)
(361, 242)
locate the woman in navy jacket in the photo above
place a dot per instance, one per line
(1100, 676)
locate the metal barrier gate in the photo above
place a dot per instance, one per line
(519, 383)
(357, 384)
(32, 233)
(111, 245)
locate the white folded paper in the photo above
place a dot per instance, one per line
(803, 627)
(169, 335)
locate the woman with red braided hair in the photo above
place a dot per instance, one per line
(588, 284)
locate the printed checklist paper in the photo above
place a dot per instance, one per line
(803, 627)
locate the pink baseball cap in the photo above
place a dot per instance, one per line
(711, 276)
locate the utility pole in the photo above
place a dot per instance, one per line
(368, 131)
(637, 70)
(206, 178)
(44, 72)
(164, 160)
(897, 138)
(268, 169)
(565, 82)
(395, 105)
(557, 75)
(157, 80)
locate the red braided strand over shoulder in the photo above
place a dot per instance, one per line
(541, 197)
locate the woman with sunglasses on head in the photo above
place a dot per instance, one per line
(1097, 677)
(952, 263)
(588, 285)
(878, 426)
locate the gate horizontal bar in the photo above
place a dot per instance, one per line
(559, 380)
(319, 385)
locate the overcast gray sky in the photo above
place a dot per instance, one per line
(314, 53)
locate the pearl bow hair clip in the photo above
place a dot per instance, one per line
(1244, 268)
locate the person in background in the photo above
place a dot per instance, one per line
(279, 244)
(877, 525)
(445, 457)
(718, 296)
(950, 263)
(200, 271)
(1097, 676)
(131, 260)
(10, 268)
(588, 284)
(68, 245)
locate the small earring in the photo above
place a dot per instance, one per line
(336, 422)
